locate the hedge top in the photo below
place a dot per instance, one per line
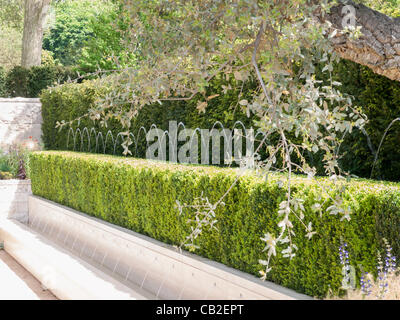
(358, 183)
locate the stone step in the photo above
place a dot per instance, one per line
(65, 275)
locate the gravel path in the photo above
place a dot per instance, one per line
(16, 283)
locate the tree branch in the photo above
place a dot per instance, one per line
(379, 46)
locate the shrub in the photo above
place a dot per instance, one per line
(73, 27)
(2, 82)
(45, 76)
(141, 195)
(66, 102)
(4, 163)
(48, 59)
(28, 83)
(17, 82)
(14, 163)
(5, 175)
(70, 101)
(40, 78)
(379, 99)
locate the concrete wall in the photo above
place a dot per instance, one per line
(14, 199)
(20, 118)
(65, 275)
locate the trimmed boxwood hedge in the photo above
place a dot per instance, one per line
(141, 195)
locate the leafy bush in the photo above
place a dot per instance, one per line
(4, 163)
(40, 78)
(70, 101)
(2, 82)
(73, 27)
(379, 99)
(48, 59)
(141, 195)
(14, 162)
(5, 175)
(17, 82)
(9, 164)
(28, 83)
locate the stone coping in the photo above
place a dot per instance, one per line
(15, 181)
(20, 99)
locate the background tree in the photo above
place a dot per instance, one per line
(35, 14)
(76, 23)
(105, 49)
(11, 26)
(12, 13)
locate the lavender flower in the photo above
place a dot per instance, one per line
(382, 277)
(365, 284)
(347, 272)
(390, 261)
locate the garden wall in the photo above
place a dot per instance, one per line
(14, 199)
(20, 118)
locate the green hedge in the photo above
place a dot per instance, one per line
(69, 101)
(379, 98)
(28, 83)
(377, 95)
(141, 195)
(17, 82)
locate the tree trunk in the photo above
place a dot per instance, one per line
(35, 13)
(379, 46)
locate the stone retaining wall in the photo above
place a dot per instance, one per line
(14, 196)
(142, 262)
(20, 118)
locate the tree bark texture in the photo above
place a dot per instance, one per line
(379, 46)
(35, 13)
